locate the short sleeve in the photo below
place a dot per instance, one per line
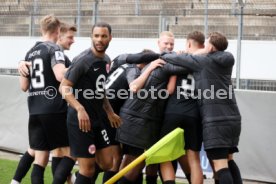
(57, 56)
(75, 71)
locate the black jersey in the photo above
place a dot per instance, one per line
(143, 112)
(117, 85)
(44, 97)
(88, 75)
(118, 61)
(184, 100)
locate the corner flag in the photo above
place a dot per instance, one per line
(169, 148)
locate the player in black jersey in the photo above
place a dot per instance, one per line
(89, 110)
(142, 114)
(65, 40)
(165, 44)
(182, 111)
(46, 108)
(221, 119)
(117, 87)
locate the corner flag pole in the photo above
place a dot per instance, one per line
(168, 148)
(122, 172)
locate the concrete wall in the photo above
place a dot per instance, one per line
(257, 148)
(257, 60)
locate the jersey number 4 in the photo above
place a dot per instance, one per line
(37, 74)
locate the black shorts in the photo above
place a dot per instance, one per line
(133, 151)
(220, 153)
(110, 131)
(48, 131)
(80, 141)
(192, 129)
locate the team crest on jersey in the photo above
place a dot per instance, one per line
(107, 68)
(59, 56)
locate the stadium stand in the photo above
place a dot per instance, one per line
(143, 18)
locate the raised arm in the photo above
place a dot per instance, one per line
(139, 83)
(191, 62)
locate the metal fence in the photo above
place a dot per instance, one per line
(144, 18)
(248, 84)
(237, 19)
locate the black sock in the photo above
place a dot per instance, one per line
(124, 180)
(23, 166)
(225, 176)
(235, 172)
(81, 179)
(107, 175)
(37, 174)
(63, 170)
(55, 162)
(151, 179)
(169, 182)
(96, 173)
(139, 179)
(188, 177)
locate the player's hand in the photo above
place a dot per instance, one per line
(156, 63)
(23, 68)
(84, 120)
(115, 120)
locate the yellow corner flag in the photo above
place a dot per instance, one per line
(169, 148)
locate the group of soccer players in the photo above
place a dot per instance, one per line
(72, 114)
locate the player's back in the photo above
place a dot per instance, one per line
(43, 91)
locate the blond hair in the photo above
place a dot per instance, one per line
(166, 33)
(49, 23)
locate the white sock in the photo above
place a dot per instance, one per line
(14, 182)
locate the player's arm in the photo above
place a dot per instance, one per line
(171, 84)
(114, 119)
(139, 83)
(58, 64)
(59, 71)
(65, 89)
(191, 62)
(23, 70)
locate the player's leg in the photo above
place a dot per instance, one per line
(151, 174)
(233, 167)
(130, 154)
(23, 166)
(62, 162)
(193, 142)
(168, 171)
(194, 164)
(38, 142)
(79, 148)
(116, 161)
(219, 157)
(116, 152)
(184, 164)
